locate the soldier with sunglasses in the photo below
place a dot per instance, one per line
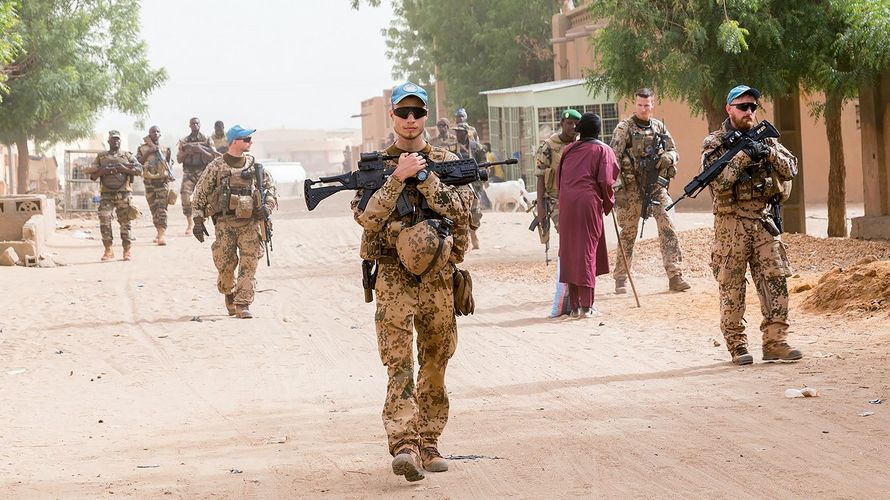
(227, 192)
(744, 236)
(414, 298)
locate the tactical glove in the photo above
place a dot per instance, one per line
(199, 230)
(264, 212)
(758, 151)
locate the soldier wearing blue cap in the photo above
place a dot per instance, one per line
(414, 414)
(227, 192)
(194, 151)
(633, 139)
(756, 177)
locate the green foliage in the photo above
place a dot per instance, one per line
(78, 58)
(10, 40)
(473, 45)
(732, 37)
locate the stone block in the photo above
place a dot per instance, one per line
(16, 210)
(9, 257)
(22, 248)
(871, 227)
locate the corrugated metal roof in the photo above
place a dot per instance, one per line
(535, 87)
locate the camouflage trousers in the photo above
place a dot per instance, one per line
(628, 206)
(740, 243)
(111, 204)
(414, 415)
(237, 246)
(156, 196)
(190, 177)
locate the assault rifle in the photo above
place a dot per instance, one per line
(734, 142)
(649, 169)
(267, 222)
(372, 173)
(542, 228)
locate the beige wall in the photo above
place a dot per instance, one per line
(376, 123)
(572, 56)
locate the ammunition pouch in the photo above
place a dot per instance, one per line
(462, 289)
(114, 182)
(171, 197)
(133, 213)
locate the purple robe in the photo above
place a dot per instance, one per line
(586, 173)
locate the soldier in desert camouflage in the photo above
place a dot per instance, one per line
(157, 177)
(194, 151)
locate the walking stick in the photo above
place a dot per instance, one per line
(624, 258)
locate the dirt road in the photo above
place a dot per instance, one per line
(129, 379)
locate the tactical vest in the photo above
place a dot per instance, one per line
(119, 181)
(640, 140)
(194, 160)
(220, 144)
(556, 147)
(750, 193)
(238, 196)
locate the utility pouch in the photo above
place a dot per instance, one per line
(462, 288)
(171, 197)
(242, 205)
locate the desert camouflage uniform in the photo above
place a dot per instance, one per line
(220, 144)
(157, 181)
(449, 143)
(414, 416)
(192, 166)
(741, 240)
(547, 165)
(114, 194)
(239, 241)
(628, 142)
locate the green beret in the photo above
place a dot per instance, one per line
(571, 113)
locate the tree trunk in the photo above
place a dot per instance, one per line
(714, 114)
(24, 162)
(837, 170)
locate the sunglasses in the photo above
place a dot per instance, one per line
(245, 139)
(410, 110)
(745, 106)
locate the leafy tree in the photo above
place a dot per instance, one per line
(9, 40)
(470, 46)
(78, 58)
(691, 51)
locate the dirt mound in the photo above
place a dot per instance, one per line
(862, 287)
(807, 254)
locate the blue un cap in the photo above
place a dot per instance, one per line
(237, 132)
(741, 90)
(406, 89)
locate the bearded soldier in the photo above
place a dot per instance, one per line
(157, 175)
(745, 234)
(194, 152)
(415, 255)
(227, 192)
(115, 170)
(637, 137)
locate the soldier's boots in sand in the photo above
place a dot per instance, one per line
(620, 286)
(432, 460)
(741, 356)
(474, 240)
(406, 463)
(109, 253)
(190, 226)
(242, 311)
(780, 351)
(161, 239)
(678, 284)
(128, 255)
(230, 304)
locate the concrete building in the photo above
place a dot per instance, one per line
(319, 151)
(572, 27)
(376, 123)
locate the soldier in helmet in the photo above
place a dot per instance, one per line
(460, 120)
(415, 255)
(631, 141)
(115, 169)
(445, 138)
(194, 151)
(157, 177)
(229, 194)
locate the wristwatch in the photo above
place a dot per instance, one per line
(422, 175)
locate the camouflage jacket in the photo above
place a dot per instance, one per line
(208, 192)
(744, 186)
(153, 162)
(192, 160)
(381, 223)
(449, 143)
(116, 182)
(630, 139)
(220, 144)
(547, 163)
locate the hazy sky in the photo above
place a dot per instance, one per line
(261, 63)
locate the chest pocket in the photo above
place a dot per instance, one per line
(239, 191)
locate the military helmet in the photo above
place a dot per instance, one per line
(425, 247)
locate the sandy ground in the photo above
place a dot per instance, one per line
(128, 379)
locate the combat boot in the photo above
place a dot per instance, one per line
(404, 463)
(678, 284)
(242, 312)
(776, 351)
(162, 237)
(109, 253)
(432, 460)
(230, 304)
(190, 227)
(740, 355)
(474, 240)
(127, 254)
(620, 286)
